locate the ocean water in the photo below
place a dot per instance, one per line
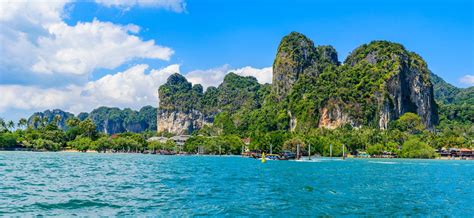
(66, 184)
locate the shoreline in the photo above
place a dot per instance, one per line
(226, 155)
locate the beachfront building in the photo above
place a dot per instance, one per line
(463, 153)
(180, 139)
(160, 139)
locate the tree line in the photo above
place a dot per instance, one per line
(406, 137)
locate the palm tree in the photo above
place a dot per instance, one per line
(2, 124)
(44, 122)
(22, 123)
(72, 122)
(56, 119)
(11, 125)
(36, 119)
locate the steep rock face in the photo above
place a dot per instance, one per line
(180, 122)
(108, 120)
(297, 57)
(184, 108)
(179, 105)
(296, 69)
(334, 116)
(408, 92)
(114, 120)
(295, 54)
(378, 83)
(404, 85)
(49, 116)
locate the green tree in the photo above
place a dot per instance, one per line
(409, 122)
(102, 144)
(414, 148)
(72, 122)
(22, 123)
(8, 140)
(291, 145)
(88, 128)
(81, 144)
(3, 125)
(11, 125)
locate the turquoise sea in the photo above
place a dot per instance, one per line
(65, 184)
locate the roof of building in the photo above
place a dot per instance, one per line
(158, 138)
(181, 137)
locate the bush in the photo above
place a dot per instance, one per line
(414, 148)
(81, 143)
(7, 140)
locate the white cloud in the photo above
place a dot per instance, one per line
(467, 79)
(210, 77)
(36, 42)
(263, 75)
(30, 97)
(173, 5)
(84, 47)
(131, 88)
(215, 76)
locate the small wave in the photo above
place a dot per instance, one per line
(383, 162)
(306, 160)
(73, 204)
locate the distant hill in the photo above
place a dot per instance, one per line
(455, 104)
(109, 120)
(448, 94)
(49, 116)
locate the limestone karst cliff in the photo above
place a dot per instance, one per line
(184, 108)
(179, 110)
(296, 57)
(109, 120)
(377, 83)
(384, 81)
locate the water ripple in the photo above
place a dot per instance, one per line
(70, 184)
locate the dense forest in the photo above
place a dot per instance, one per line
(381, 100)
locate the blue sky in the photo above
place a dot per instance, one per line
(240, 33)
(78, 55)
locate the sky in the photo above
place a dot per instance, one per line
(79, 55)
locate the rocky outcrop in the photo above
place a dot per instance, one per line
(378, 83)
(185, 108)
(111, 120)
(180, 122)
(295, 55)
(405, 82)
(334, 116)
(178, 111)
(406, 92)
